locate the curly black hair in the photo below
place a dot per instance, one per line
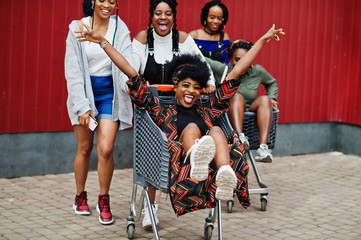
(205, 11)
(188, 66)
(171, 3)
(236, 44)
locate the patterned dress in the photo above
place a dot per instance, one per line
(186, 194)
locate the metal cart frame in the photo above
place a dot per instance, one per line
(151, 169)
(250, 130)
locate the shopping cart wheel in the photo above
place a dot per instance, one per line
(229, 205)
(130, 231)
(208, 232)
(263, 204)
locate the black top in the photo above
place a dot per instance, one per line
(154, 72)
(190, 115)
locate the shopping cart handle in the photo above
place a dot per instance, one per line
(163, 87)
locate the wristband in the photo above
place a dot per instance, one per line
(103, 44)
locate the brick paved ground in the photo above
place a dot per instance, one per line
(310, 197)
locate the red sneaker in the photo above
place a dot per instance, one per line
(103, 208)
(80, 205)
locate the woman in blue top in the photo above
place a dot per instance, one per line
(211, 39)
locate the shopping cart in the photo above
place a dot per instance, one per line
(151, 169)
(250, 129)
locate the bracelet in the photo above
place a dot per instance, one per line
(103, 44)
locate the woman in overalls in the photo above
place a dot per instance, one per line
(153, 47)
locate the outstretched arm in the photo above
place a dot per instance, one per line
(243, 64)
(115, 56)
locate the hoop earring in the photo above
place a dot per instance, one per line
(92, 6)
(205, 23)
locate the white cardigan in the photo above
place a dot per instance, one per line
(80, 93)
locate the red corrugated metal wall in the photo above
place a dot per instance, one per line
(317, 63)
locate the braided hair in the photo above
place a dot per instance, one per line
(88, 10)
(154, 3)
(238, 44)
(205, 12)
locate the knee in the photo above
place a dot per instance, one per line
(237, 100)
(238, 97)
(191, 127)
(265, 101)
(216, 131)
(105, 150)
(85, 149)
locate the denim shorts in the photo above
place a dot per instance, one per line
(103, 91)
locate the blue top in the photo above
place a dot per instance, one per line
(211, 46)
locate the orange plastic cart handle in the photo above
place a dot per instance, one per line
(164, 88)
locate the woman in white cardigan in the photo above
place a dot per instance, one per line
(97, 88)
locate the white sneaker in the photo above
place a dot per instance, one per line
(226, 181)
(264, 154)
(147, 222)
(243, 139)
(201, 154)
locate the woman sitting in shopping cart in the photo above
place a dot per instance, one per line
(203, 166)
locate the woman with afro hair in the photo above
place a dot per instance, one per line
(203, 167)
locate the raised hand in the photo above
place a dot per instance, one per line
(272, 34)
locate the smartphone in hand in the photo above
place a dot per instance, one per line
(92, 123)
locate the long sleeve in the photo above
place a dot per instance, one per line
(142, 97)
(220, 98)
(269, 82)
(74, 76)
(124, 46)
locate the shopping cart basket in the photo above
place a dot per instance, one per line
(151, 169)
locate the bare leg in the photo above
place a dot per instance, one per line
(152, 193)
(84, 139)
(106, 134)
(222, 155)
(192, 132)
(199, 152)
(226, 179)
(236, 110)
(189, 136)
(263, 107)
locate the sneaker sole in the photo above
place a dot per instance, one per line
(202, 157)
(266, 159)
(226, 182)
(101, 221)
(80, 213)
(148, 226)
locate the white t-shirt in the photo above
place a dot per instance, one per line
(99, 62)
(164, 52)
